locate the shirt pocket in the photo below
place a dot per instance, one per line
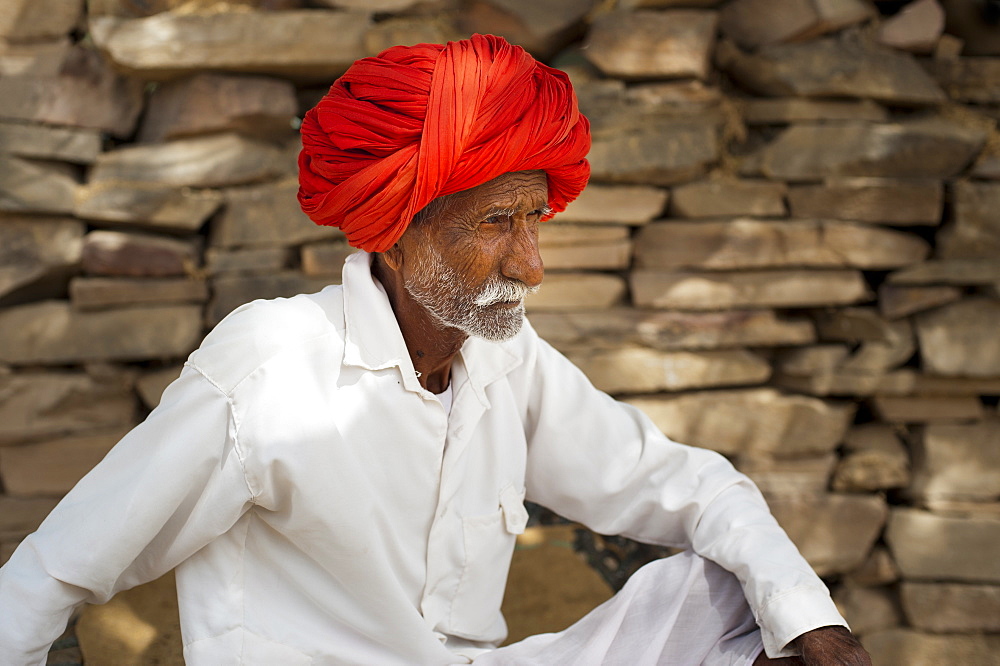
(489, 544)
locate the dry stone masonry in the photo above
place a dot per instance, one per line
(789, 251)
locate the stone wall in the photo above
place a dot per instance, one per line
(789, 252)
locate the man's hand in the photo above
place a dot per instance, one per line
(831, 646)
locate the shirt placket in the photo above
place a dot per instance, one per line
(445, 540)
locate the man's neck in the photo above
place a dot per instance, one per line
(431, 345)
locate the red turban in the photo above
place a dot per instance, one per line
(415, 123)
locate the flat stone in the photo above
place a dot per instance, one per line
(917, 27)
(958, 607)
(434, 29)
(540, 27)
(577, 291)
(254, 260)
(151, 385)
(20, 516)
(37, 405)
(146, 205)
(964, 510)
(877, 569)
(885, 344)
(868, 609)
(879, 200)
(748, 243)
(785, 110)
(53, 467)
(774, 476)
(927, 409)
(755, 23)
(918, 149)
(832, 67)
(811, 360)
(577, 247)
(953, 272)
(325, 258)
(611, 104)
(642, 370)
(138, 255)
(835, 383)
(266, 215)
(733, 328)
(85, 92)
(657, 154)
(100, 293)
(974, 232)
(373, 5)
(616, 204)
(231, 291)
(292, 43)
(653, 44)
(67, 144)
(691, 290)
(211, 161)
(895, 301)
(834, 532)
(913, 648)
(27, 20)
(971, 80)
(759, 421)
(639, 4)
(987, 167)
(874, 459)
(28, 186)
(672, 331)
(33, 59)
(960, 338)
(205, 103)
(728, 197)
(51, 332)
(909, 382)
(930, 546)
(957, 462)
(38, 251)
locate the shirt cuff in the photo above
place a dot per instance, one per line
(788, 616)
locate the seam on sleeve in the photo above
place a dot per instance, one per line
(234, 430)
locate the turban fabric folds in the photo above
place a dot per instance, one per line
(414, 123)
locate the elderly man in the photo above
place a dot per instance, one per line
(339, 477)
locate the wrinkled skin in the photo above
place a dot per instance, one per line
(826, 646)
(465, 243)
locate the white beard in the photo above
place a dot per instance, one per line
(454, 304)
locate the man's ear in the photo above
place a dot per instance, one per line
(393, 258)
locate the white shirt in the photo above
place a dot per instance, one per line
(321, 507)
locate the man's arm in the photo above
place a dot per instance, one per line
(171, 485)
(605, 464)
(829, 646)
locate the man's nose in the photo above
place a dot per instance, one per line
(523, 261)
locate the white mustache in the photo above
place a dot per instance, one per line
(503, 291)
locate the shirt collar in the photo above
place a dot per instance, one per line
(372, 339)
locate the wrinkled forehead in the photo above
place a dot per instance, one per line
(514, 192)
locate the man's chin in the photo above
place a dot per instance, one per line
(500, 328)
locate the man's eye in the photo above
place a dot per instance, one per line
(495, 219)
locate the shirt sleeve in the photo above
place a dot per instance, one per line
(170, 486)
(605, 464)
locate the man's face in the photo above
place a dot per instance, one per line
(474, 256)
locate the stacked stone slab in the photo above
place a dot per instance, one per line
(789, 251)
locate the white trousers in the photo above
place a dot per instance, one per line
(680, 610)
